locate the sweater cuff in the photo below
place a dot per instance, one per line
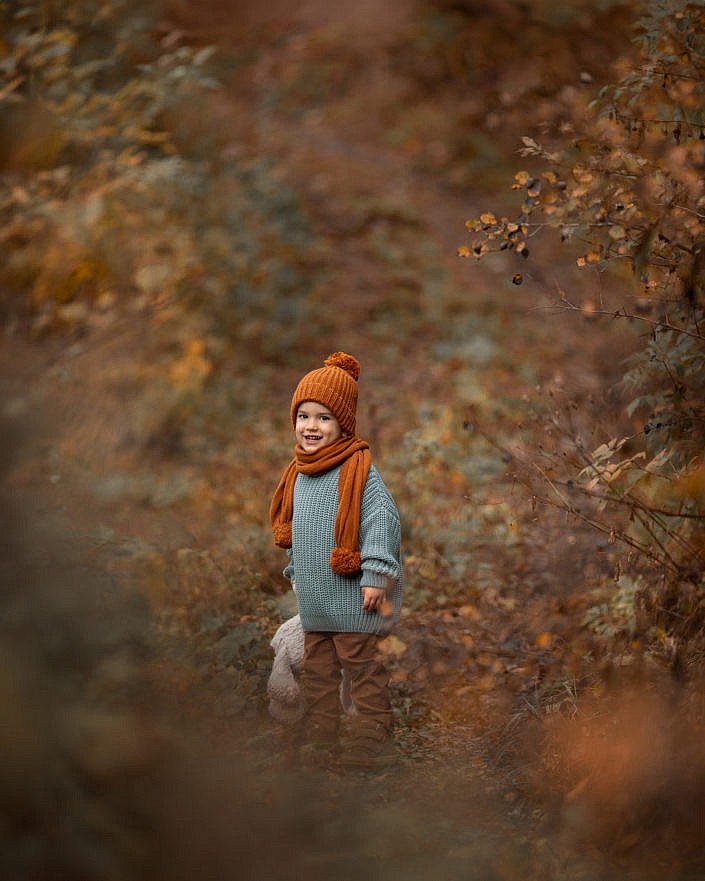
(377, 579)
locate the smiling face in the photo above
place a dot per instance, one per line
(315, 426)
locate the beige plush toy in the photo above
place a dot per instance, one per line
(283, 691)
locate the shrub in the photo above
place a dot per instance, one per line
(107, 200)
(623, 183)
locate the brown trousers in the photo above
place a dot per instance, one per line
(325, 654)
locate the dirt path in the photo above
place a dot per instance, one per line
(388, 219)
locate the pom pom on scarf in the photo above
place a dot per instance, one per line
(344, 561)
(282, 534)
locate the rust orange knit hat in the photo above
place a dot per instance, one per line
(335, 386)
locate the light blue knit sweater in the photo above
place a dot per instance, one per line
(331, 602)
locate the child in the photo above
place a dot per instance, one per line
(340, 526)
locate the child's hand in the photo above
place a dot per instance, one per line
(373, 598)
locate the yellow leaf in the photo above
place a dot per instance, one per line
(392, 645)
(470, 611)
(463, 251)
(488, 218)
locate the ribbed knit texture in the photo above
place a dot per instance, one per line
(353, 456)
(331, 602)
(334, 386)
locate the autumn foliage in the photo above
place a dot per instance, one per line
(198, 202)
(620, 183)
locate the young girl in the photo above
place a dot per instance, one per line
(340, 526)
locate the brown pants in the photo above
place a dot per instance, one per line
(325, 654)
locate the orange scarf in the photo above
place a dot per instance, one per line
(354, 456)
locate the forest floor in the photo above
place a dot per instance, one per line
(501, 704)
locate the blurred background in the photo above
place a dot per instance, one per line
(199, 201)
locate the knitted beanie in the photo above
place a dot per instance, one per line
(334, 386)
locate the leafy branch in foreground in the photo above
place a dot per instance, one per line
(625, 186)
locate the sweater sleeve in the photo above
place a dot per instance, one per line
(380, 536)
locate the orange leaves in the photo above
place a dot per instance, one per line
(592, 258)
(582, 175)
(626, 182)
(619, 762)
(508, 233)
(470, 612)
(386, 608)
(523, 180)
(544, 640)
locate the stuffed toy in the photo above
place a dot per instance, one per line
(285, 701)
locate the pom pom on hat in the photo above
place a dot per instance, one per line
(335, 386)
(345, 362)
